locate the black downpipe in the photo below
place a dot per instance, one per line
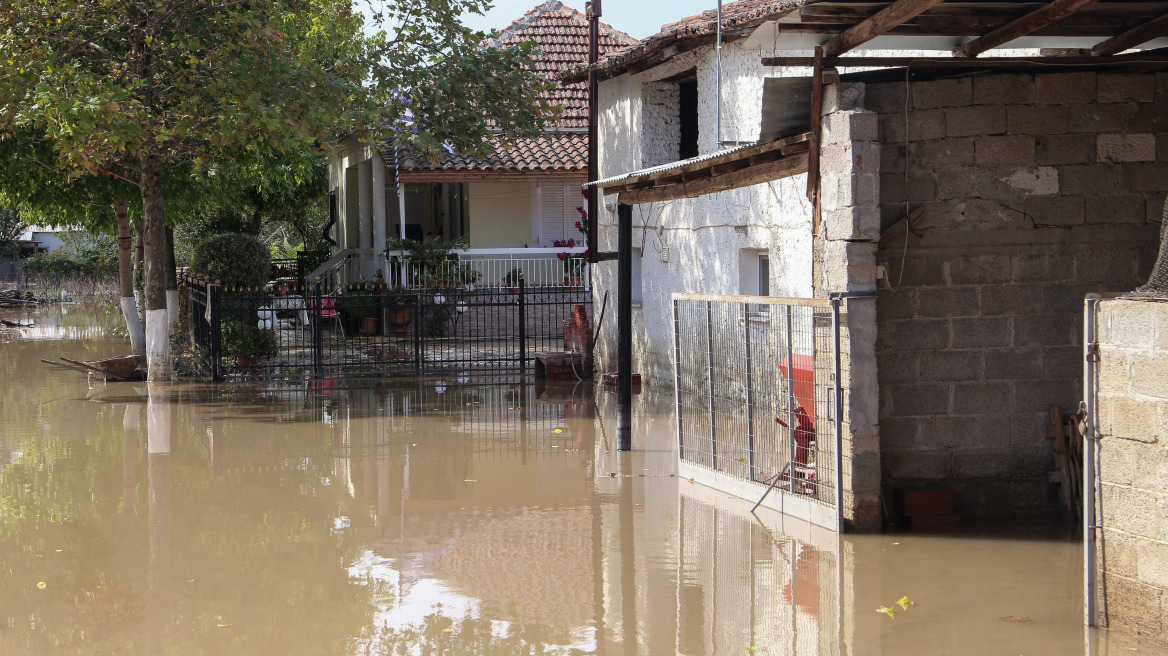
(624, 322)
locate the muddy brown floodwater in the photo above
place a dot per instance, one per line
(396, 517)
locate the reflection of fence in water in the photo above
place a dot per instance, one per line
(755, 390)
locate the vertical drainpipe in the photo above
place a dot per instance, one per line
(718, 51)
(624, 319)
(1090, 443)
(593, 10)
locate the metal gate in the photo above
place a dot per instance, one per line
(758, 399)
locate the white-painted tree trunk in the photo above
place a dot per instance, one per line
(158, 345)
(172, 309)
(134, 325)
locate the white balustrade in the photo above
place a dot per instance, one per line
(500, 267)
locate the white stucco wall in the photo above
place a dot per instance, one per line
(694, 245)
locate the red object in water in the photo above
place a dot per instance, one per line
(804, 433)
(800, 370)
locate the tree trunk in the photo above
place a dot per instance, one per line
(126, 281)
(154, 241)
(1158, 282)
(172, 300)
(140, 279)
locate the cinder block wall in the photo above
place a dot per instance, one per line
(1133, 467)
(1034, 190)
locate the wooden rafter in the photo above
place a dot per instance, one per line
(774, 170)
(1142, 34)
(1146, 59)
(886, 19)
(1036, 19)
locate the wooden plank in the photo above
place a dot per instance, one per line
(816, 129)
(1141, 34)
(1021, 27)
(879, 23)
(782, 168)
(1152, 58)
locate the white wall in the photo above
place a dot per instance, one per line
(694, 245)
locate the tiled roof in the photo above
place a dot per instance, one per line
(561, 37)
(551, 151)
(735, 16)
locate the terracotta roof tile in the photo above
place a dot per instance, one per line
(551, 151)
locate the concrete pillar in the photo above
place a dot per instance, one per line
(365, 216)
(378, 263)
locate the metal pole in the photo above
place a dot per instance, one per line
(749, 395)
(593, 11)
(710, 374)
(216, 330)
(625, 327)
(677, 374)
(837, 412)
(791, 400)
(718, 57)
(1090, 444)
(522, 327)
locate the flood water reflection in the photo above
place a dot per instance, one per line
(380, 517)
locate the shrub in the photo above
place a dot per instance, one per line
(234, 259)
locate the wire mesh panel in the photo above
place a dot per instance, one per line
(755, 394)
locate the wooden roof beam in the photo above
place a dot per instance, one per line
(886, 19)
(782, 168)
(1141, 34)
(1039, 18)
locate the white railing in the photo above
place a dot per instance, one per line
(500, 267)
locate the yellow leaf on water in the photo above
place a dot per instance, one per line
(891, 612)
(470, 480)
(742, 460)
(40, 585)
(904, 603)
(558, 431)
(448, 630)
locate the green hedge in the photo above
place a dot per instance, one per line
(234, 259)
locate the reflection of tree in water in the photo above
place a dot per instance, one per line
(441, 634)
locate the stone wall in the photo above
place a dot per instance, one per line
(1133, 465)
(1027, 192)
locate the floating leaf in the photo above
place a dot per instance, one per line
(752, 648)
(470, 480)
(1014, 618)
(905, 602)
(40, 585)
(448, 630)
(742, 460)
(558, 431)
(891, 612)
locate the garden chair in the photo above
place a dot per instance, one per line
(326, 310)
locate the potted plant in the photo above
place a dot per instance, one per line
(247, 342)
(360, 309)
(400, 301)
(512, 278)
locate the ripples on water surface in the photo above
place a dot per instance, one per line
(391, 517)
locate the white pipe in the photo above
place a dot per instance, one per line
(1090, 442)
(718, 50)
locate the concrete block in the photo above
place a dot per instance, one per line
(919, 400)
(913, 335)
(1152, 561)
(921, 271)
(981, 214)
(1095, 118)
(1117, 462)
(982, 398)
(1133, 419)
(942, 93)
(964, 432)
(1039, 395)
(1065, 149)
(1063, 362)
(975, 120)
(892, 305)
(1043, 330)
(918, 465)
(1161, 87)
(1064, 88)
(951, 365)
(1119, 87)
(922, 125)
(979, 269)
(1121, 553)
(862, 124)
(983, 462)
(1110, 267)
(1010, 299)
(885, 97)
(941, 153)
(1004, 150)
(891, 158)
(1059, 211)
(1149, 374)
(1140, 177)
(1148, 117)
(1126, 147)
(1115, 209)
(1155, 207)
(1162, 147)
(1028, 429)
(1114, 371)
(1041, 266)
(1034, 180)
(993, 89)
(842, 97)
(1013, 364)
(1095, 179)
(1132, 510)
(1133, 606)
(1132, 324)
(984, 332)
(1036, 119)
(948, 302)
(897, 434)
(973, 182)
(894, 367)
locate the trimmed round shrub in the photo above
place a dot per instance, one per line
(234, 259)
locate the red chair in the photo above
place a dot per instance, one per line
(326, 310)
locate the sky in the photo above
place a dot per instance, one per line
(638, 18)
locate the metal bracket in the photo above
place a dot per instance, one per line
(1093, 352)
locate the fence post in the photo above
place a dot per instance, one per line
(418, 332)
(749, 395)
(792, 402)
(837, 412)
(710, 369)
(315, 314)
(677, 374)
(214, 320)
(522, 327)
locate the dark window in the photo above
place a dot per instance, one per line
(687, 105)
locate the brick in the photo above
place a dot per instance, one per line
(1098, 179)
(884, 97)
(1038, 266)
(1043, 330)
(1064, 88)
(1113, 209)
(1013, 364)
(919, 400)
(992, 89)
(897, 367)
(1065, 149)
(1141, 177)
(1004, 150)
(979, 269)
(981, 398)
(942, 153)
(1126, 147)
(991, 332)
(913, 335)
(1116, 87)
(948, 302)
(1036, 119)
(1063, 362)
(1099, 118)
(1039, 395)
(1010, 299)
(951, 365)
(975, 120)
(1058, 211)
(942, 93)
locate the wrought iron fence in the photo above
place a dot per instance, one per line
(756, 397)
(368, 330)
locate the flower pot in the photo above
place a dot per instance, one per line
(399, 318)
(368, 326)
(248, 365)
(574, 282)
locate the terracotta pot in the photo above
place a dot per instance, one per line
(368, 326)
(399, 318)
(575, 282)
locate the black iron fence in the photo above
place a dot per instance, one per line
(367, 330)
